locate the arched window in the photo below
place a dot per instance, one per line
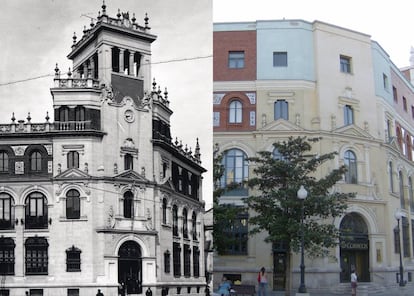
(350, 161)
(409, 146)
(35, 161)
(410, 193)
(348, 115)
(36, 211)
(36, 255)
(235, 166)
(80, 113)
(73, 159)
(194, 225)
(164, 211)
(281, 110)
(175, 220)
(129, 162)
(7, 257)
(72, 204)
(6, 211)
(399, 138)
(235, 111)
(185, 223)
(128, 204)
(63, 114)
(4, 162)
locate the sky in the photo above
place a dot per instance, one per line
(390, 23)
(37, 34)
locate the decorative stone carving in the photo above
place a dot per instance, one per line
(111, 218)
(19, 150)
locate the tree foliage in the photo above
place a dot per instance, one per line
(276, 207)
(223, 214)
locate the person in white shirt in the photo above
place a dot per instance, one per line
(354, 280)
(262, 281)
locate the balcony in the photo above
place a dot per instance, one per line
(36, 222)
(73, 125)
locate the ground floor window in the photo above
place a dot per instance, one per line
(36, 256)
(36, 292)
(73, 292)
(7, 256)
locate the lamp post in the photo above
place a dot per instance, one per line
(302, 194)
(398, 215)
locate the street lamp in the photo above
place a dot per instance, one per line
(398, 215)
(302, 194)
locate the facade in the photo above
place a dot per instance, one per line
(103, 197)
(317, 79)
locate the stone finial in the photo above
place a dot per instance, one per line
(92, 24)
(154, 85)
(69, 73)
(119, 14)
(197, 154)
(165, 94)
(13, 119)
(47, 116)
(84, 30)
(176, 139)
(412, 56)
(74, 38)
(159, 90)
(133, 18)
(103, 7)
(146, 19)
(56, 71)
(28, 117)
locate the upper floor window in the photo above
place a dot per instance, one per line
(4, 162)
(348, 115)
(176, 259)
(385, 81)
(187, 260)
(72, 204)
(164, 211)
(412, 112)
(64, 114)
(277, 155)
(390, 173)
(129, 162)
(73, 259)
(281, 110)
(235, 165)
(128, 204)
(394, 94)
(345, 64)
(80, 113)
(73, 159)
(36, 211)
(280, 59)
(411, 194)
(185, 223)
(7, 258)
(238, 232)
(167, 262)
(6, 211)
(35, 161)
(235, 112)
(236, 59)
(194, 225)
(175, 220)
(402, 195)
(36, 255)
(196, 261)
(405, 103)
(350, 162)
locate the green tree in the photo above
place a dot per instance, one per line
(223, 214)
(276, 208)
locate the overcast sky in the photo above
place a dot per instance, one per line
(390, 23)
(37, 34)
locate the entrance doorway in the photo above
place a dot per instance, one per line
(130, 267)
(279, 265)
(354, 248)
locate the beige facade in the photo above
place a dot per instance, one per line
(316, 108)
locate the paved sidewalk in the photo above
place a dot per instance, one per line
(404, 291)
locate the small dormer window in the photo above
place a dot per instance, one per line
(129, 162)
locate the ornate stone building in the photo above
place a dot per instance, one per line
(282, 78)
(102, 197)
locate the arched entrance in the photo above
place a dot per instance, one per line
(130, 267)
(354, 248)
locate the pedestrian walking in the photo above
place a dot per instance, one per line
(99, 293)
(354, 282)
(262, 282)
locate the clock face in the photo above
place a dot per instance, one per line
(129, 115)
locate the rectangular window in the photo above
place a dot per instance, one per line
(412, 112)
(348, 115)
(280, 59)
(177, 259)
(187, 256)
(385, 81)
(394, 94)
(36, 292)
(73, 260)
(345, 64)
(238, 234)
(4, 292)
(167, 264)
(406, 236)
(236, 59)
(405, 104)
(281, 110)
(73, 292)
(196, 261)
